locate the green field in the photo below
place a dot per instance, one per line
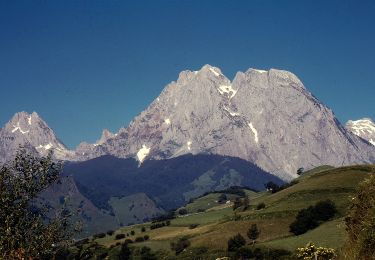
(214, 226)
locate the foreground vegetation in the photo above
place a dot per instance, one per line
(331, 207)
(259, 227)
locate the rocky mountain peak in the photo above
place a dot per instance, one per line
(31, 132)
(364, 128)
(266, 117)
(106, 134)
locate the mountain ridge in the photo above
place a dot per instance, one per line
(265, 117)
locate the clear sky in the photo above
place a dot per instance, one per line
(88, 65)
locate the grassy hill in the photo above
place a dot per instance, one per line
(209, 231)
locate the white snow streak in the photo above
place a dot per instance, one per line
(45, 147)
(29, 120)
(167, 121)
(17, 127)
(363, 126)
(255, 132)
(189, 145)
(231, 113)
(214, 72)
(142, 153)
(227, 89)
(260, 71)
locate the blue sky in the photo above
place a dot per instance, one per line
(88, 65)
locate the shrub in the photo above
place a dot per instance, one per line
(237, 203)
(132, 232)
(360, 222)
(253, 232)
(260, 205)
(143, 229)
(236, 242)
(192, 226)
(273, 187)
(313, 252)
(119, 236)
(180, 245)
(200, 210)
(244, 253)
(26, 229)
(222, 198)
(146, 237)
(182, 211)
(139, 239)
(143, 253)
(99, 235)
(311, 217)
(160, 225)
(128, 241)
(110, 232)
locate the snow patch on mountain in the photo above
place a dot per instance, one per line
(364, 128)
(189, 145)
(17, 127)
(142, 153)
(227, 89)
(214, 72)
(167, 121)
(255, 132)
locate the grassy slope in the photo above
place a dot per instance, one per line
(216, 225)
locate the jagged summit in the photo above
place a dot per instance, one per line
(266, 117)
(31, 132)
(106, 134)
(364, 128)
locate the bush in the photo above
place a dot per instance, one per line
(160, 225)
(139, 239)
(200, 210)
(143, 253)
(143, 229)
(244, 253)
(311, 217)
(273, 187)
(260, 206)
(253, 232)
(28, 231)
(132, 232)
(119, 236)
(192, 226)
(313, 252)
(237, 203)
(222, 198)
(128, 241)
(110, 232)
(99, 235)
(180, 245)
(146, 237)
(236, 242)
(182, 211)
(360, 222)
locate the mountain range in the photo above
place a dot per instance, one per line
(265, 117)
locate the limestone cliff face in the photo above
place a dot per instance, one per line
(265, 117)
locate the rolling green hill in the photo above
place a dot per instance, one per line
(209, 231)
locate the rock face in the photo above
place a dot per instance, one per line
(265, 117)
(31, 132)
(364, 128)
